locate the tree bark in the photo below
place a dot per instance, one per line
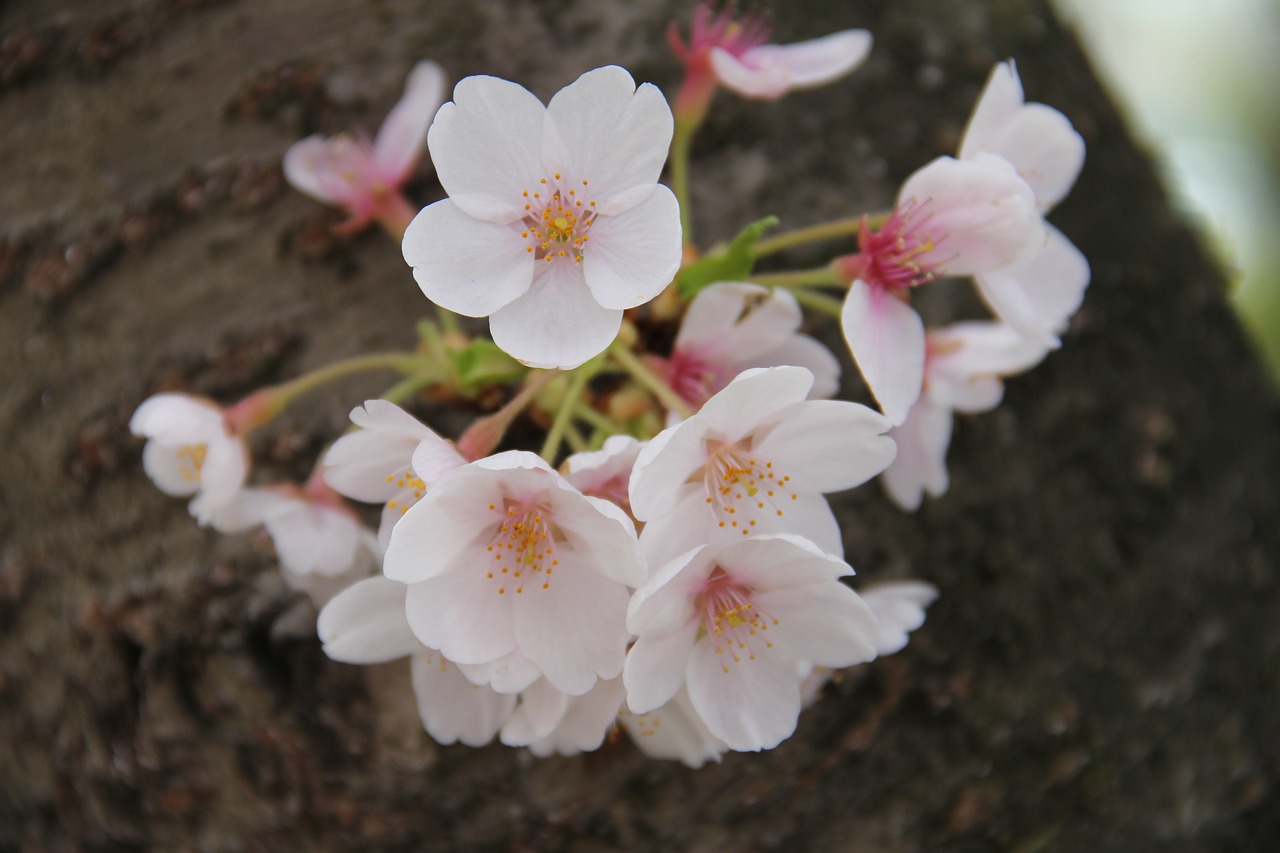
(1100, 672)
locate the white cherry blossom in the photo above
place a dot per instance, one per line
(363, 177)
(673, 732)
(732, 326)
(963, 370)
(1037, 298)
(191, 450)
(555, 221)
(953, 218)
(605, 473)
(391, 460)
(506, 556)
(560, 724)
(757, 458)
(734, 623)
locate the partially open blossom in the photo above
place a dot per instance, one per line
(733, 623)
(605, 473)
(963, 369)
(730, 48)
(365, 178)
(555, 222)
(953, 218)
(757, 458)
(505, 556)
(321, 544)
(366, 624)
(732, 326)
(1037, 298)
(192, 449)
(391, 460)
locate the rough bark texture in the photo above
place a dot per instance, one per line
(1100, 673)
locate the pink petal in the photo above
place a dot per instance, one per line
(558, 322)
(486, 145)
(403, 135)
(771, 70)
(631, 257)
(886, 337)
(921, 463)
(467, 265)
(603, 129)
(336, 171)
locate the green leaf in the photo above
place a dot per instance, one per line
(731, 262)
(481, 363)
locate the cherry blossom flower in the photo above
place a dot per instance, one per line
(732, 326)
(963, 367)
(731, 49)
(391, 460)
(322, 546)
(953, 218)
(364, 178)
(757, 458)
(192, 449)
(505, 556)
(733, 623)
(673, 732)
(551, 722)
(555, 221)
(366, 624)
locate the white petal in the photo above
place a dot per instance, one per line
(674, 731)
(508, 674)
(921, 463)
(775, 562)
(587, 721)
(656, 666)
(632, 256)
(366, 623)
(314, 539)
(999, 103)
(486, 145)
(177, 419)
(541, 708)
(980, 214)
(1038, 299)
(435, 458)
(463, 616)
(251, 507)
(812, 355)
(453, 709)
(603, 129)
(665, 603)
(663, 466)
(826, 624)
(753, 396)
(464, 264)
(602, 535)
(171, 473)
(334, 171)
(445, 530)
(752, 706)
(226, 466)
(828, 445)
(716, 311)
(404, 133)
(574, 629)
(886, 337)
(771, 70)
(899, 609)
(558, 322)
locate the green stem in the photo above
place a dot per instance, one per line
(589, 415)
(818, 233)
(483, 436)
(650, 380)
(681, 140)
(819, 276)
(818, 301)
(572, 396)
(407, 387)
(574, 439)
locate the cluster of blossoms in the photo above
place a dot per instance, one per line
(680, 576)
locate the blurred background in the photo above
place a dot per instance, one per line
(1199, 81)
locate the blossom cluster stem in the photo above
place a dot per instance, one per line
(588, 415)
(394, 213)
(483, 436)
(817, 233)
(571, 402)
(650, 380)
(265, 405)
(818, 276)
(681, 140)
(815, 301)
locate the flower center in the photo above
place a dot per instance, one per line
(903, 252)
(731, 621)
(411, 487)
(741, 488)
(556, 220)
(191, 461)
(523, 545)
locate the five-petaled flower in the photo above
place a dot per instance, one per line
(735, 624)
(555, 222)
(504, 557)
(365, 178)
